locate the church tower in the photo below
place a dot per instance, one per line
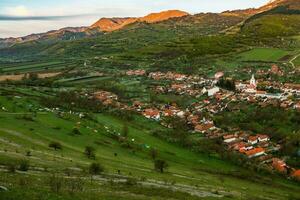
(253, 82)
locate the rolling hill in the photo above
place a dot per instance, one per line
(281, 20)
(103, 25)
(168, 35)
(112, 24)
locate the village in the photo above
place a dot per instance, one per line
(216, 99)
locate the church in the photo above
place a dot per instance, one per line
(252, 87)
(248, 88)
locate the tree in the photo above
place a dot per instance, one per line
(55, 145)
(90, 152)
(153, 153)
(95, 169)
(33, 76)
(228, 84)
(125, 131)
(160, 165)
(76, 131)
(24, 165)
(11, 168)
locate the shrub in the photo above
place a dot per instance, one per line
(76, 131)
(153, 153)
(95, 169)
(11, 168)
(125, 131)
(131, 182)
(24, 165)
(90, 152)
(28, 153)
(55, 145)
(160, 165)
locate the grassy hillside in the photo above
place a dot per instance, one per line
(265, 55)
(192, 44)
(26, 132)
(131, 37)
(273, 26)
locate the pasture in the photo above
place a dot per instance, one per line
(27, 129)
(264, 55)
(36, 66)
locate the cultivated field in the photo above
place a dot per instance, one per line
(265, 55)
(22, 76)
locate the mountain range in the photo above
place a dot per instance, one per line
(103, 25)
(263, 20)
(112, 24)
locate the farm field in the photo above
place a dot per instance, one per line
(84, 79)
(21, 76)
(36, 67)
(265, 55)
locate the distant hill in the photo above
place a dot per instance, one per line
(112, 24)
(103, 25)
(281, 19)
(170, 33)
(291, 4)
(68, 33)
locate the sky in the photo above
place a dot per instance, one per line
(23, 17)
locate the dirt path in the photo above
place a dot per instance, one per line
(292, 60)
(21, 76)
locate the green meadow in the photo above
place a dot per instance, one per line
(264, 55)
(26, 131)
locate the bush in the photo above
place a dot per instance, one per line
(76, 131)
(153, 153)
(160, 165)
(11, 168)
(96, 169)
(131, 182)
(24, 165)
(90, 152)
(125, 131)
(55, 145)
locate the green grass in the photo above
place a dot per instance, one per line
(84, 79)
(20, 135)
(274, 25)
(264, 54)
(35, 67)
(297, 62)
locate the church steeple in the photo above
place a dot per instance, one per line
(253, 82)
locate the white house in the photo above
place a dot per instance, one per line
(253, 140)
(229, 138)
(213, 91)
(263, 138)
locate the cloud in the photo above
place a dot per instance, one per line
(17, 11)
(38, 18)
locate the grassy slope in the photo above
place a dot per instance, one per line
(264, 54)
(19, 136)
